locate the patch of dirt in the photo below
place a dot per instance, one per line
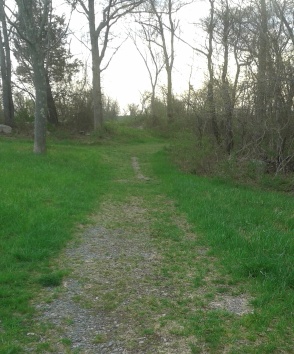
(238, 305)
(137, 169)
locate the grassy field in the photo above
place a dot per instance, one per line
(251, 232)
(248, 232)
(42, 199)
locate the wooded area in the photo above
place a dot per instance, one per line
(244, 109)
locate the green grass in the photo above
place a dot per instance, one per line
(246, 231)
(251, 232)
(42, 198)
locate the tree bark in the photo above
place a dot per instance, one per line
(31, 29)
(96, 70)
(227, 100)
(261, 101)
(154, 68)
(210, 86)
(41, 111)
(170, 113)
(5, 62)
(52, 116)
(167, 50)
(111, 13)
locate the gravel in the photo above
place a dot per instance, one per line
(103, 305)
(111, 270)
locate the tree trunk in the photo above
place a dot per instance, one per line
(41, 110)
(31, 29)
(97, 92)
(170, 115)
(52, 116)
(96, 72)
(227, 100)
(228, 109)
(261, 101)
(152, 107)
(210, 87)
(167, 50)
(5, 62)
(212, 112)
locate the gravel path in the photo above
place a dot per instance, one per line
(104, 305)
(112, 267)
(109, 267)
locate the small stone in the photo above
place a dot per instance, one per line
(6, 129)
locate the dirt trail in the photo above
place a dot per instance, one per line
(112, 300)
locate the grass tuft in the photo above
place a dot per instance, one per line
(51, 280)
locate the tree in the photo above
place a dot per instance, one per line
(151, 57)
(225, 20)
(110, 108)
(5, 63)
(100, 35)
(165, 26)
(30, 26)
(210, 86)
(262, 63)
(281, 10)
(58, 65)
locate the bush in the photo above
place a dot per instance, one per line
(194, 156)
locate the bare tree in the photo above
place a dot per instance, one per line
(30, 26)
(225, 19)
(208, 25)
(151, 57)
(56, 60)
(262, 60)
(165, 25)
(281, 13)
(210, 85)
(5, 63)
(100, 35)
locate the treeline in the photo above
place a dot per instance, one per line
(47, 78)
(244, 109)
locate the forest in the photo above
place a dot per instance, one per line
(242, 115)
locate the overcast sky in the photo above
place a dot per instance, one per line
(126, 78)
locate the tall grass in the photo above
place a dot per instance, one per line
(249, 229)
(41, 199)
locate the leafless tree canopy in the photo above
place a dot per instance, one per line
(245, 105)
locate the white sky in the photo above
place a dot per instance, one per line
(126, 78)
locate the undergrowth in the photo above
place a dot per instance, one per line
(204, 158)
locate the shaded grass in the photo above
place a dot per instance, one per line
(42, 197)
(251, 231)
